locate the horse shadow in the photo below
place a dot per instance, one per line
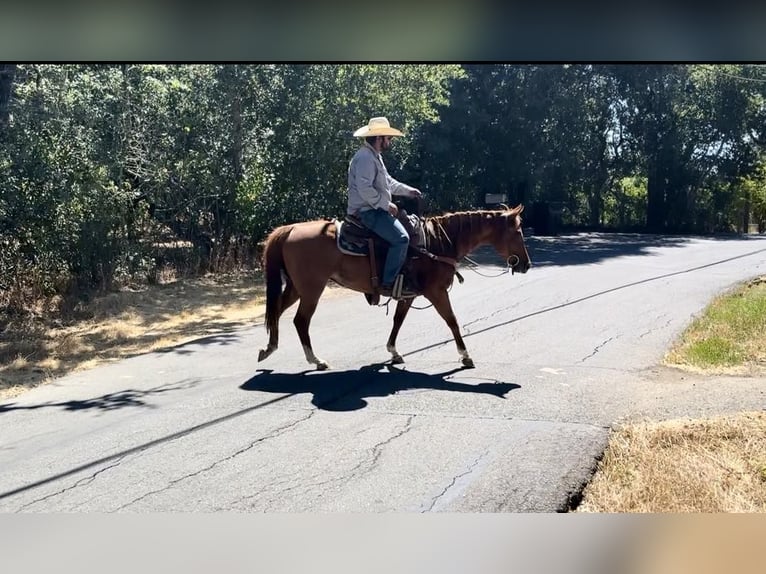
(347, 390)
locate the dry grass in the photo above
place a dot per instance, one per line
(716, 465)
(127, 323)
(711, 466)
(123, 324)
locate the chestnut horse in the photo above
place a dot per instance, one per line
(307, 255)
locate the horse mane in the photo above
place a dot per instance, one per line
(450, 233)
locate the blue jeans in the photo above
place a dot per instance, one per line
(393, 232)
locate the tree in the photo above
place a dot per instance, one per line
(303, 171)
(7, 75)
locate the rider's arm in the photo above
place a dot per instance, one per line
(399, 188)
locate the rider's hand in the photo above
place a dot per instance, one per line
(392, 209)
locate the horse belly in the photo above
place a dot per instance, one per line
(354, 273)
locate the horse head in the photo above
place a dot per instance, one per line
(508, 239)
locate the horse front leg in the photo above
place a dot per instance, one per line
(402, 307)
(302, 320)
(441, 303)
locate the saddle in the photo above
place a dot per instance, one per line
(353, 238)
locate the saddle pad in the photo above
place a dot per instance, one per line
(345, 246)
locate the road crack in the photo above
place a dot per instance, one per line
(466, 326)
(363, 467)
(596, 349)
(378, 448)
(81, 482)
(277, 432)
(454, 480)
(653, 329)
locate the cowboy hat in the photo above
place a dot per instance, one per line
(377, 127)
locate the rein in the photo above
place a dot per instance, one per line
(442, 259)
(510, 262)
(439, 231)
(508, 266)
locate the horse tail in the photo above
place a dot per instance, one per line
(274, 265)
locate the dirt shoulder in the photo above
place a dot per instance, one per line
(667, 461)
(40, 347)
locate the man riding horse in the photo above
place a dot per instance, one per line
(299, 259)
(370, 191)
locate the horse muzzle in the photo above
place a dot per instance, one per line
(517, 266)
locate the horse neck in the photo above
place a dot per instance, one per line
(457, 234)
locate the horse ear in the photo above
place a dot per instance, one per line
(519, 208)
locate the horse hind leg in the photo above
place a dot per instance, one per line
(302, 320)
(288, 297)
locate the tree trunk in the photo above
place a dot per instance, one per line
(7, 75)
(594, 204)
(655, 200)
(656, 182)
(746, 213)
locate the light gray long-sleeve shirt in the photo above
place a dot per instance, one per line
(369, 184)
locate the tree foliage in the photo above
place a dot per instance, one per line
(101, 165)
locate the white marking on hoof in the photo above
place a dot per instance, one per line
(312, 358)
(396, 358)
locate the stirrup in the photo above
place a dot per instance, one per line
(398, 292)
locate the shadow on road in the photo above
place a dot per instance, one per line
(108, 402)
(216, 339)
(586, 248)
(333, 391)
(346, 390)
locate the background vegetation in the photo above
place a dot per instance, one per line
(111, 173)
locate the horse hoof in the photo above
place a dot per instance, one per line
(468, 362)
(322, 366)
(262, 355)
(397, 360)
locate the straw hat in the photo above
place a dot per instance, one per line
(377, 127)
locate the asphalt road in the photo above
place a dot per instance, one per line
(562, 354)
